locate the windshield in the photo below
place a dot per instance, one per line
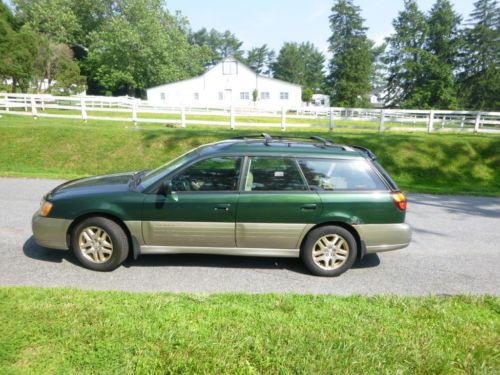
(156, 174)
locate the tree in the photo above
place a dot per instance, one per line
(307, 95)
(17, 51)
(406, 56)
(139, 47)
(221, 44)
(289, 65)
(260, 59)
(54, 63)
(479, 81)
(6, 14)
(443, 45)
(301, 64)
(352, 63)
(54, 18)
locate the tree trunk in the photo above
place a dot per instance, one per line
(14, 84)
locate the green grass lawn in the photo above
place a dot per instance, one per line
(438, 163)
(321, 121)
(70, 331)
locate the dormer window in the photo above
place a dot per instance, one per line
(230, 67)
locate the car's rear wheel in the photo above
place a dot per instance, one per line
(99, 243)
(329, 250)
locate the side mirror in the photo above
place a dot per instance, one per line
(165, 188)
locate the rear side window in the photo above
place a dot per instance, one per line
(338, 175)
(273, 174)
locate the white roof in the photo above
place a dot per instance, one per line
(230, 58)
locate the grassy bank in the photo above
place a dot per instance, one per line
(60, 330)
(438, 163)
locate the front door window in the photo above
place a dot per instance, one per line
(215, 174)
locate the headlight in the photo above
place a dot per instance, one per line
(45, 209)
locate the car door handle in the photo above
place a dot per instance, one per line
(309, 207)
(222, 207)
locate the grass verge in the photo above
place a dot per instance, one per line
(446, 163)
(70, 331)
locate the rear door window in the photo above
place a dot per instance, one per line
(273, 174)
(340, 175)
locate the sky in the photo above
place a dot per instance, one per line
(274, 22)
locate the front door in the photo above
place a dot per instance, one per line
(200, 211)
(276, 208)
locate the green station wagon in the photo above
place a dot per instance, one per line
(328, 204)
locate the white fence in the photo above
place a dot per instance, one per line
(138, 111)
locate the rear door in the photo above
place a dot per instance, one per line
(275, 208)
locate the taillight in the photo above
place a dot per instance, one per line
(399, 200)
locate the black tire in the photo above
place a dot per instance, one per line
(120, 243)
(306, 251)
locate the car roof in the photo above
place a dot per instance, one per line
(280, 145)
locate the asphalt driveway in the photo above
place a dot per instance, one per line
(455, 249)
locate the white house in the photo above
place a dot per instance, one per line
(320, 100)
(230, 82)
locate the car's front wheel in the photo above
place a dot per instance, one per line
(99, 243)
(329, 251)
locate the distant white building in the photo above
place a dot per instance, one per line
(320, 100)
(230, 82)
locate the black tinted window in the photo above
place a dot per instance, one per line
(271, 174)
(216, 174)
(323, 174)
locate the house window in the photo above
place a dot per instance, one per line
(162, 96)
(229, 67)
(244, 95)
(196, 96)
(221, 95)
(265, 95)
(284, 95)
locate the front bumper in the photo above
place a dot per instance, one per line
(50, 232)
(384, 237)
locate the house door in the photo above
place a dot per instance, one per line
(228, 97)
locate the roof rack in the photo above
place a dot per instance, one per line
(267, 137)
(368, 152)
(325, 142)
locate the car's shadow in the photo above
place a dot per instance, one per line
(33, 251)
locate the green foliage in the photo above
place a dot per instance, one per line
(432, 163)
(301, 64)
(220, 44)
(442, 45)
(255, 95)
(17, 54)
(54, 18)
(352, 63)
(479, 80)
(404, 59)
(307, 95)
(49, 330)
(139, 47)
(6, 14)
(260, 59)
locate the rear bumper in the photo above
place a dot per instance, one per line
(50, 232)
(384, 237)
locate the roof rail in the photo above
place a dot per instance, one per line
(369, 152)
(267, 137)
(326, 142)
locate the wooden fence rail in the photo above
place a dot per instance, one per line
(139, 111)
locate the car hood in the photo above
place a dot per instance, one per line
(109, 183)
